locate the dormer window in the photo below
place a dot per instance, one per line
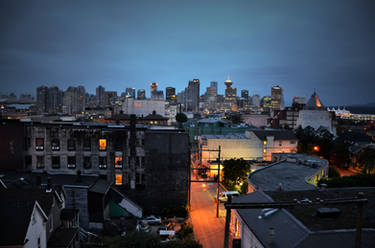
(71, 145)
(102, 144)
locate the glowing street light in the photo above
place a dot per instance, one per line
(316, 148)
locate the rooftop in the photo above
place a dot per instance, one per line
(300, 226)
(287, 175)
(277, 134)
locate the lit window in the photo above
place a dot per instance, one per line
(265, 142)
(118, 162)
(102, 144)
(264, 151)
(237, 227)
(39, 144)
(118, 179)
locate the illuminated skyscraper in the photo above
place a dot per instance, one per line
(277, 99)
(141, 94)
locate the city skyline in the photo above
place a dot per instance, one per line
(297, 45)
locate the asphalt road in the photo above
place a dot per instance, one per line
(208, 229)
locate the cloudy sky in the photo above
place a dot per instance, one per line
(298, 44)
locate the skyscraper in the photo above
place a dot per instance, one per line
(74, 100)
(277, 100)
(100, 96)
(130, 92)
(170, 95)
(245, 94)
(41, 99)
(154, 89)
(141, 94)
(230, 93)
(193, 95)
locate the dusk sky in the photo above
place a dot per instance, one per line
(298, 44)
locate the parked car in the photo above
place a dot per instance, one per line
(151, 220)
(143, 227)
(224, 195)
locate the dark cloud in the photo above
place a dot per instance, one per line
(299, 44)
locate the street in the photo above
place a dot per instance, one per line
(208, 229)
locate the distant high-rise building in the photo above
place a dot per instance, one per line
(277, 98)
(41, 99)
(245, 94)
(74, 100)
(154, 89)
(110, 97)
(230, 93)
(266, 103)
(212, 90)
(190, 96)
(255, 100)
(130, 92)
(100, 96)
(170, 95)
(141, 94)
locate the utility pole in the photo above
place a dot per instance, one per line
(218, 183)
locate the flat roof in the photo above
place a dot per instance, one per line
(288, 175)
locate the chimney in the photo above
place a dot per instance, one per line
(38, 180)
(271, 235)
(49, 185)
(79, 177)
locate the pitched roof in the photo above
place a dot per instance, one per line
(15, 216)
(314, 102)
(62, 237)
(277, 134)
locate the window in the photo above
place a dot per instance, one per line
(265, 142)
(71, 145)
(102, 144)
(55, 162)
(39, 162)
(71, 162)
(54, 132)
(55, 145)
(118, 179)
(87, 144)
(118, 144)
(280, 143)
(39, 144)
(264, 150)
(87, 162)
(102, 162)
(118, 162)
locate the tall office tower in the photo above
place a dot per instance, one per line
(42, 99)
(230, 93)
(255, 100)
(212, 90)
(266, 103)
(141, 94)
(74, 100)
(100, 96)
(245, 94)
(54, 100)
(110, 97)
(192, 95)
(170, 95)
(154, 89)
(277, 99)
(130, 92)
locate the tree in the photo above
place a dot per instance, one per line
(133, 240)
(235, 171)
(366, 160)
(340, 155)
(181, 118)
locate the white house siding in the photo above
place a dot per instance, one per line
(143, 107)
(36, 229)
(315, 119)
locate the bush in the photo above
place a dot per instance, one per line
(186, 232)
(178, 211)
(361, 180)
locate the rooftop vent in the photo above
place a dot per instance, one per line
(328, 212)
